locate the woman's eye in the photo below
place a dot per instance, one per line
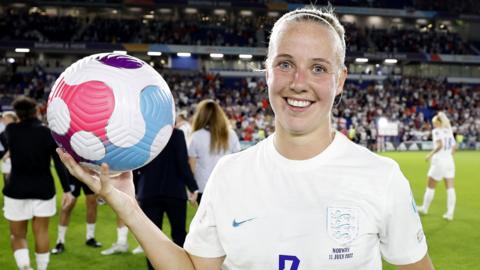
(319, 69)
(284, 65)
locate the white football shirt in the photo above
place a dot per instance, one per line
(342, 209)
(446, 136)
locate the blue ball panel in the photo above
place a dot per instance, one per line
(156, 107)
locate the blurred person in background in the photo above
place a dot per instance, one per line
(121, 244)
(442, 165)
(30, 192)
(65, 214)
(163, 185)
(212, 138)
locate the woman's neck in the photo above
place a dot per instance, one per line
(301, 147)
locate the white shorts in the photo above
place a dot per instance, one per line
(440, 169)
(25, 209)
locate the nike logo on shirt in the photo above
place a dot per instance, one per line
(238, 223)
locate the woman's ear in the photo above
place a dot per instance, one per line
(342, 77)
(266, 71)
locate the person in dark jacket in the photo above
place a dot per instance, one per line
(161, 187)
(30, 192)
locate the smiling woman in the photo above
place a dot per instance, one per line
(304, 198)
(304, 76)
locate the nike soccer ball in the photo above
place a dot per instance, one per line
(111, 108)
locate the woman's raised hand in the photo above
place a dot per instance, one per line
(117, 190)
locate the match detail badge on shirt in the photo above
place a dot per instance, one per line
(342, 224)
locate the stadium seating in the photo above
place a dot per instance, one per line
(204, 29)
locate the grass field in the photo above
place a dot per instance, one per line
(452, 245)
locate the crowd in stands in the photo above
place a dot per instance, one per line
(34, 84)
(451, 7)
(201, 29)
(22, 26)
(410, 101)
(446, 6)
(193, 30)
(415, 41)
(244, 101)
(197, 29)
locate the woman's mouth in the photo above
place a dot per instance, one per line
(298, 103)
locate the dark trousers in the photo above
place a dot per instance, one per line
(176, 210)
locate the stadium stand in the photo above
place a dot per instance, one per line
(204, 29)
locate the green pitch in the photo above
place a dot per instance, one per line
(452, 245)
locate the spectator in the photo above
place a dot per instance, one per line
(212, 139)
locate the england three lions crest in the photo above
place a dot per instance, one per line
(342, 224)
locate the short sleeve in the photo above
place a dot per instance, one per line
(202, 239)
(402, 240)
(234, 142)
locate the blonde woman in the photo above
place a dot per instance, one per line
(211, 139)
(442, 165)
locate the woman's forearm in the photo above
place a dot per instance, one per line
(160, 250)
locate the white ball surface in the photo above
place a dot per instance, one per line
(58, 116)
(87, 145)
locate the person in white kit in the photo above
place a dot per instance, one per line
(442, 165)
(306, 197)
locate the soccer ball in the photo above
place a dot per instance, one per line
(111, 108)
